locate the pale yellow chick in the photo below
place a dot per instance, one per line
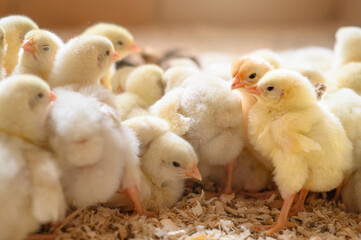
(121, 38)
(166, 161)
(268, 55)
(38, 53)
(15, 26)
(349, 76)
(306, 143)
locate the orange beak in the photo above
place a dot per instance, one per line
(28, 45)
(115, 56)
(53, 97)
(134, 47)
(253, 89)
(237, 83)
(194, 173)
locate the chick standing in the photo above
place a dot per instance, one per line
(37, 197)
(289, 125)
(121, 39)
(166, 161)
(38, 53)
(15, 26)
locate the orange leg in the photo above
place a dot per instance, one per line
(300, 205)
(229, 175)
(133, 194)
(338, 191)
(282, 218)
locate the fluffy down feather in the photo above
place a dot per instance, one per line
(347, 46)
(349, 76)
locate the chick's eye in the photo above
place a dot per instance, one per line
(107, 53)
(270, 88)
(40, 95)
(120, 43)
(176, 164)
(253, 75)
(46, 49)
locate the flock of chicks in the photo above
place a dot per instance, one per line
(75, 133)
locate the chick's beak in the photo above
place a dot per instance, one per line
(253, 89)
(134, 47)
(237, 83)
(115, 56)
(28, 45)
(194, 173)
(53, 97)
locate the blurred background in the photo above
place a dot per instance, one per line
(232, 26)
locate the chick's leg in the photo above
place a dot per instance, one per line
(133, 195)
(338, 191)
(229, 175)
(300, 205)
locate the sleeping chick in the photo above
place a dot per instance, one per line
(3, 47)
(15, 26)
(351, 193)
(142, 88)
(347, 46)
(210, 118)
(81, 61)
(96, 153)
(288, 125)
(349, 76)
(38, 53)
(166, 161)
(37, 197)
(121, 39)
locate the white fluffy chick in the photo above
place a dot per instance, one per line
(143, 88)
(3, 47)
(15, 26)
(96, 153)
(166, 161)
(347, 46)
(209, 117)
(351, 193)
(38, 53)
(121, 38)
(288, 125)
(82, 60)
(348, 76)
(346, 105)
(175, 76)
(37, 197)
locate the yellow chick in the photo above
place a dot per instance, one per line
(15, 26)
(268, 55)
(288, 125)
(347, 46)
(351, 193)
(166, 161)
(37, 197)
(38, 53)
(3, 47)
(121, 39)
(349, 76)
(82, 61)
(119, 79)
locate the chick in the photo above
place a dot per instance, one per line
(3, 47)
(347, 46)
(82, 60)
(38, 53)
(96, 153)
(288, 125)
(119, 79)
(349, 76)
(143, 88)
(37, 197)
(351, 193)
(15, 26)
(176, 76)
(268, 55)
(166, 161)
(210, 118)
(121, 39)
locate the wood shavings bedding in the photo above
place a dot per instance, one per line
(200, 216)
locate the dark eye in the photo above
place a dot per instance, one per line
(176, 164)
(107, 53)
(253, 75)
(40, 95)
(270, 88)
(120, 43)
(46, 48)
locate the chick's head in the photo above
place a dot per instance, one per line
(39, 49)
(25, 101)
(121, 38)
(170, 157)
(248, 70)
(284, 88)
